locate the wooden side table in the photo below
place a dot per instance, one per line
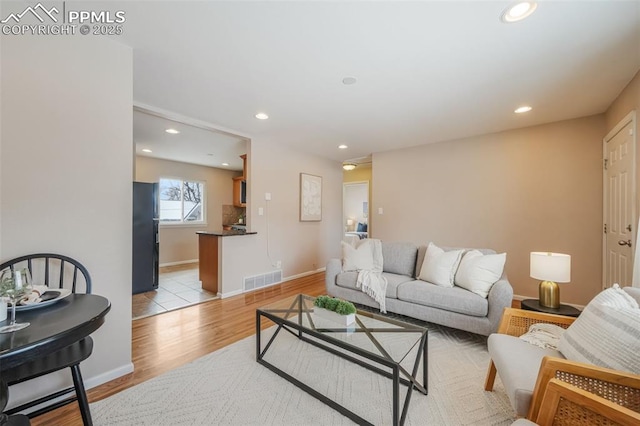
(534, 305)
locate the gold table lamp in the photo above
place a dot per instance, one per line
(551, 268)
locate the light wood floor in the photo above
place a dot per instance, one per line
(163, 342)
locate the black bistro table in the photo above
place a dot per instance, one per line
(52, 328)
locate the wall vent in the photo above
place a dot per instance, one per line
(262, 280)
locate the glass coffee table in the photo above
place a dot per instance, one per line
(375, 342)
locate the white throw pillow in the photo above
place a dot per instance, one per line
(439, 266)
(607, 332)
(478, 273)
(358, 257)
(546, 336)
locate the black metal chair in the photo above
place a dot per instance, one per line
(6, 420)
(54, 271)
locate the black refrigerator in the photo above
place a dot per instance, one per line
(146, 243)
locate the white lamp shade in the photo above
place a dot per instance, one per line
(349, 222)
(554, 267)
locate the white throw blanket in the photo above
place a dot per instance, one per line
(371, 281)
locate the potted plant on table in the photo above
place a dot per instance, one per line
(336, 310)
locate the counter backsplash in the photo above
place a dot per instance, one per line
(230, 214)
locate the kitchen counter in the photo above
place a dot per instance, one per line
(211, 257)
(225, 233)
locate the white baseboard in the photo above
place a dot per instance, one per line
(182, 262)
(519, 297)
(304, 274)
(285, 279)
(230, 294)
(62, 380)
(94, 381)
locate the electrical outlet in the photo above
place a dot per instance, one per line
(267, 196)
(278, 264)
(260, 211)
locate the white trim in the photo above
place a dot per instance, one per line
(285, 279)
(105, 377)
(174, 116)
(181, 262)
(89, 383)
(233, 293)
(304, 274)
(629, 118)
(520, 298)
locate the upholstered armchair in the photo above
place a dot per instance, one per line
(566, 404)
(526, 372)
(519, 361)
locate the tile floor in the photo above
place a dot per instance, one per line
(178, 287)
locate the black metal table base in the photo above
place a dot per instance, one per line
(395, 374)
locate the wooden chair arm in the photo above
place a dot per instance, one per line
(573, 405)
(618, 386)
(516, 322)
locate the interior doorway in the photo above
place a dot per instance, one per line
(193, 168)
(619, 216)
(355, 210)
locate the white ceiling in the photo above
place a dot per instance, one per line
(427, 71)
(195, 145)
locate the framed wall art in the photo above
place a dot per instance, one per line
(310, 198)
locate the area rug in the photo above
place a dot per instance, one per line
(228, 387)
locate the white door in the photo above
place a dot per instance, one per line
(619, 204)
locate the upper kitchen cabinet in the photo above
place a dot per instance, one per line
(240, 185)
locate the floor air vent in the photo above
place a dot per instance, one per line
(262, 280)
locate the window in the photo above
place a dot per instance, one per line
(181, 201)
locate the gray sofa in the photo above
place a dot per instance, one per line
(453, 307)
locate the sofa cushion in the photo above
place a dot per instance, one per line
(399, 257)
(479, 272)
(422, 250)
(393, 282)
(358, 257)
(454, 299)
(607, 332)
(439, 267)
(518, 363)
(348, 280)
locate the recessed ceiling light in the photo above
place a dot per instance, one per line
(519, 11)
(343, 146)
(146, 150)
(522, 109)
(261, 116)
(349, 81)
(172, 131)
(225, 164)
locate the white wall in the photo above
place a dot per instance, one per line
(66, 173)
(531, 189)
(301, 246)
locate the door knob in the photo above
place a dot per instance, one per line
(625, 243)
